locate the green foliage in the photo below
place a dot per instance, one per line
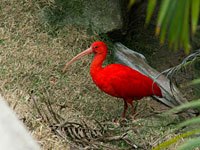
(150, 8)
(173, 140)
(193, 142)
(131, 2)
(193, 82)
(189, 124)
(192, 121)
(176, 18)
(195, 104)
(195, 14)
(190, 144)
(192, 104)
(173, 22)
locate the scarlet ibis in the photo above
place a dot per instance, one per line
(116, 79)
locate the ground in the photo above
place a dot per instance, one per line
(32, 57)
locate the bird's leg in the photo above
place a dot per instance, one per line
(123, 118)
(125, 109)
(133, 109)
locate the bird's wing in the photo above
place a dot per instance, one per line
(127, 83)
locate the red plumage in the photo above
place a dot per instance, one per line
(123, 82)
(116, 79)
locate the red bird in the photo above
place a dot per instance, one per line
(116, 79)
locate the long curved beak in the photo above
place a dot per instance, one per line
(77, 57)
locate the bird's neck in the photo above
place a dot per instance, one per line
(97, 63)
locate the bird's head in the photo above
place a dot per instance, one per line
(98, 48)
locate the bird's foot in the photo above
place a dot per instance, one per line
(134, 116)
(120, 121)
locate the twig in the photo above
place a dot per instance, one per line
(112, 138)
(36, 106)
(129, 142)
(50, 109)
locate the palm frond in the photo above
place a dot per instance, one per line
(150, 9)
(192, 104)
(195, 81)
(195, 14)
(190, 144)
(173, 23)
(192, 121)
(131, 3)
(173, 140)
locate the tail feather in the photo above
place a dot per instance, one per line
(156, 90)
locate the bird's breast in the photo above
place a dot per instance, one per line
(102, 82)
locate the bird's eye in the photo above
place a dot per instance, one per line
(95, 47)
